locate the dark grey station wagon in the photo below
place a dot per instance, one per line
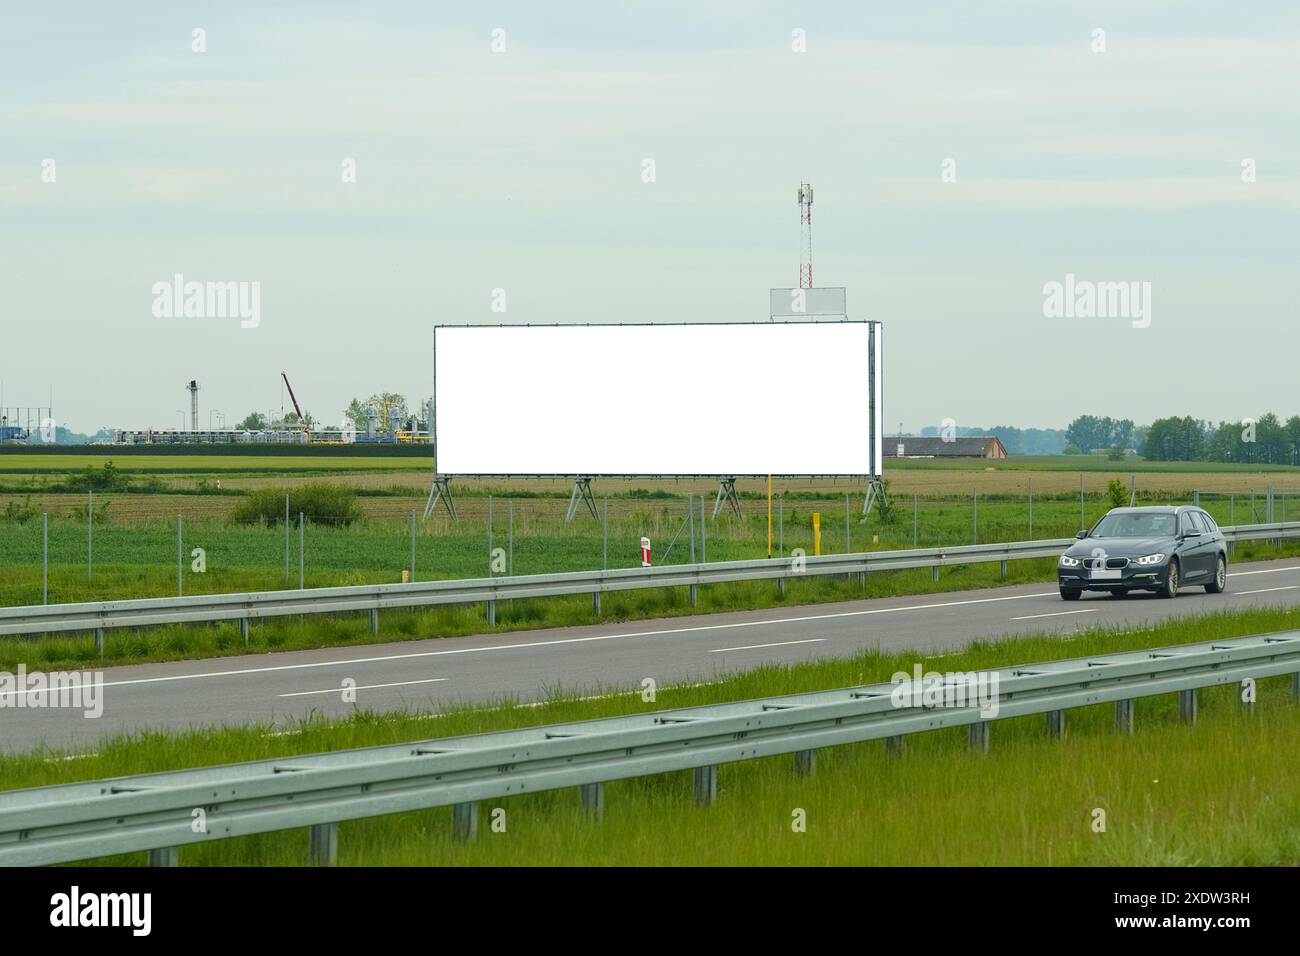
(1162, 549)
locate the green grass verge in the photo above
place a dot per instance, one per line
(1219, 793)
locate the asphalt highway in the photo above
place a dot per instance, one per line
(530, 665)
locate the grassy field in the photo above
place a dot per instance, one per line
(1212, 794)
(135, 550)
(26, 472)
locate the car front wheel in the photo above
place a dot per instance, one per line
(1170, 589)
(1070, 594)
(1220, 577)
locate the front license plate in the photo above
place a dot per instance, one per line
(1105, 574)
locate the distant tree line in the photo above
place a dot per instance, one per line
(1266, 440)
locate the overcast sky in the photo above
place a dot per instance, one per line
(523, 170)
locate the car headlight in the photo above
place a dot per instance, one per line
(1069, 562)
(1151, 559)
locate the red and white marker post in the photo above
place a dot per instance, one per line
(645, 552)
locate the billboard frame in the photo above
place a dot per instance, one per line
(874, 412)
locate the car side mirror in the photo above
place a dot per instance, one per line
(1081, 535)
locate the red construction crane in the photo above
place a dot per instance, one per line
(301, 417)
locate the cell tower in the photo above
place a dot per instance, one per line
(805, 228)
(193, 389)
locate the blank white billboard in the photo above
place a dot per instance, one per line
(708, 399)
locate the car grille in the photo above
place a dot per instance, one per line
(1112, 564)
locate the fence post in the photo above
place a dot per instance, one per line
(914, 521)
(604, 559)
(848, 539)
(975, 515)
(510, 537)
(412, 547)
(1031, 509)
(45, 557)
(1082, 526)
(704, 535)
(780, 538)
(302, 551)
(180, 577)
(90, 532)
(489, 535)
(690, 519)
(286, 537)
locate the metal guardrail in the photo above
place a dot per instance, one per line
(247, 607)
(158, 812)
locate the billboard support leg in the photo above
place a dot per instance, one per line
(441, 491)
(875, 492)
(581, 491)
(726, 496)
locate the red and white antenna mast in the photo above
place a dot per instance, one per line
(805, 239)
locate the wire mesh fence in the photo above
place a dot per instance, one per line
(98, 547)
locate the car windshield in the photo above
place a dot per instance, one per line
(1135, 525)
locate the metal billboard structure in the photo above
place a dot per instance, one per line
(780, 398)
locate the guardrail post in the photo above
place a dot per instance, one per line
(302, 552)
(464, 821)
(1295, 685)
(978, 736)
(593, 799)
(1124, 716)
(1002, 569)
(45, 558)
(323, 844)
(374, 620)
(805, 762)
(706, 785)
(1056, 723)
(934, 573)
(165, 856)
(1187, 706)
(894, 745)
(1246, 705)
(243, 629)
(492, 613)
(99, 640)
(595, 603)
